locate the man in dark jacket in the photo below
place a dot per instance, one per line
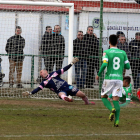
(123, 45)
(134, 47)
(92, 50)
(14, 48)
(46, 48)
(58, 47)
(79, 51)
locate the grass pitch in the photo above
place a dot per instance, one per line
(36, 119)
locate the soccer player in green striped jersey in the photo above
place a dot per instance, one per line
(127, 95)
(116, 61)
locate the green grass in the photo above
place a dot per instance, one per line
(34, 119)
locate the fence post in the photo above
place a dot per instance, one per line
(100, 44)
(32, 72)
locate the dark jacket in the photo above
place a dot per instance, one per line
(91, 45)
(58, 45)
(79, 48)
(134, 48)
(46, 44)
(15, 45)
(124, 47)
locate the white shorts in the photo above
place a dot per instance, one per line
(113, 87)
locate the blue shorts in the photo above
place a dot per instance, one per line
(70, 90)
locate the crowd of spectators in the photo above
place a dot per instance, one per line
(85, 47)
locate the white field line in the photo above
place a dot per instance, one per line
(69, 135)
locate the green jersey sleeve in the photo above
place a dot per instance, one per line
(104, 64)
(127, 65)
(105, 57)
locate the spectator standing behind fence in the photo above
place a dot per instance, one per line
(119, 33)
(92, 49)
(58, 47)
(14, 48)
(123, 45)
(134, 47)
(79, 51)
(46, 48)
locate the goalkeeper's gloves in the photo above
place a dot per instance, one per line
(75, 60)
(26, 93)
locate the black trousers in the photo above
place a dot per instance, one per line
(50, 61)
(92, 64)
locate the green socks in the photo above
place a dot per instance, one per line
(109, 106)
(117, 107)
(107, 103)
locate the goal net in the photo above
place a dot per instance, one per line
(45, 35)
(34, 36)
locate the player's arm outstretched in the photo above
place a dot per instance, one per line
(127, 64)
(61, 71)
(128, 100)
(103, 66)
(27, 93)
(135, 99)
(125, 104)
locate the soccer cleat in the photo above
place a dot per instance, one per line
(92, 103)
(68, 99)
(111, 116)
(116, 124)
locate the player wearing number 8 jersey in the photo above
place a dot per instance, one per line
(116, 61)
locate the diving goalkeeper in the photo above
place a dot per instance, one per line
(58, 85)
(127, 95)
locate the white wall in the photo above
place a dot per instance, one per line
(83, 21)
(7, 29)
(30, 25)
(116, 22)
(31, 31)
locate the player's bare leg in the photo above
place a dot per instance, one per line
(63, 96)
(84, 97)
